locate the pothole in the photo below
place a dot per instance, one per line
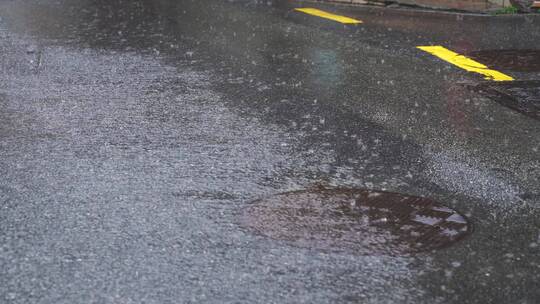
(358, 221)
(522, 96)
(510, 60)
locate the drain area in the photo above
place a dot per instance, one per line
(356, 221)
(509, 60)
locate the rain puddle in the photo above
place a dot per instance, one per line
(510, 60)
(522, 96)
(357, 221)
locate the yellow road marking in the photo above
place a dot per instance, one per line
(323, 14)
(465, 63)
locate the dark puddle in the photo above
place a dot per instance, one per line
(357, 221)
(509, 60)
(522, 96)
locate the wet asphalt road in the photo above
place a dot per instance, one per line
(134, 133)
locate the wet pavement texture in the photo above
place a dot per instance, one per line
(136, 134)
(521, 96)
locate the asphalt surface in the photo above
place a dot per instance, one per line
(134, 133)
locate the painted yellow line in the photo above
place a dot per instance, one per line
(323, 14)
(465, 63)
